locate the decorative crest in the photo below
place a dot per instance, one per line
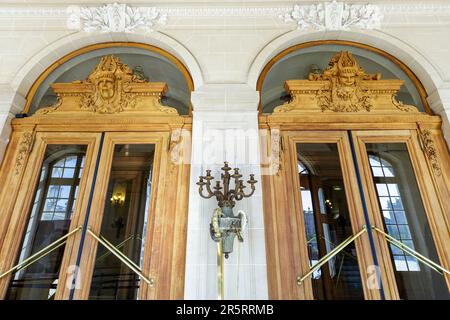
(110, 79)
(347, 92)
(343, 87)
(110, 88)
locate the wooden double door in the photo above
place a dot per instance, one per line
(92, 215)
(374, 189)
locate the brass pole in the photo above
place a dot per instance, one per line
(330, 255)
(41, 256)
(412, 252)
(41, 253)
(220, 275)
(118, 255)
(120, 245)
(113, 248)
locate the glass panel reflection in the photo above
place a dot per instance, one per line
(124, 222)
(327, 221)
(49, 219)
(405, 219)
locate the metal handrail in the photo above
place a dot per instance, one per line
(439, 269)
(130, 264)
(330, 255)
(120, 253)
(120, 245)
(41, 253)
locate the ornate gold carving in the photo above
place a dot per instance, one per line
(111, 80)
(25, 145)
(430, 151)
(51, 108)
(345, 92)
(401, 106)
(343, 87)
(111, 88)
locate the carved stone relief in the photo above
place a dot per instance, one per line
(115, 17)
(335, 15)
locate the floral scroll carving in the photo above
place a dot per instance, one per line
(24, 149)
(335, 15)
(430, 151)
(115, 17)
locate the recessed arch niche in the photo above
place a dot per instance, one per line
(296, 63)
(154, 63)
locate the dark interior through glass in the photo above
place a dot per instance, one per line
(124, 222)
(327, 221)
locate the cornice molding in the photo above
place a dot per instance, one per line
(60, 12)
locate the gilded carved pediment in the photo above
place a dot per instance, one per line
(343, 87)
(111, 88)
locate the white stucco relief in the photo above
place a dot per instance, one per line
(335, 16)
(115, 18)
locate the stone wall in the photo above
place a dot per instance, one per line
(225, 47)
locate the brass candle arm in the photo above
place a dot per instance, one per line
(225, 195)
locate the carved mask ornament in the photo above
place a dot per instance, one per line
(110, 95)
(345, 91)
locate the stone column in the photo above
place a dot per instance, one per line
(439, 102)
(10, 104)
(225, 128)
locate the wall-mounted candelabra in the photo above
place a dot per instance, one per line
(225, 226)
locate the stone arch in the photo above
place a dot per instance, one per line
(425, 71)
(31, 70)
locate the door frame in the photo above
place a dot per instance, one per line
(431, 153)
(435, 214)
(156, 208)
(172, 133)
(287, 252)
(18, 217)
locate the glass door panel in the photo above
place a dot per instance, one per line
(404, 218)
(327, 221)
(49, 219)
(124, 221)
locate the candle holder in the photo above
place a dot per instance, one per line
(225, 226)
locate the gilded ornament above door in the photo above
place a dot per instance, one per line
(110, 88)
(344, 87)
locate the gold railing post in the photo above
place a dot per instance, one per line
(220, 275)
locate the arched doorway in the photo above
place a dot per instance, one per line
(359, 178)
(96, 179)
